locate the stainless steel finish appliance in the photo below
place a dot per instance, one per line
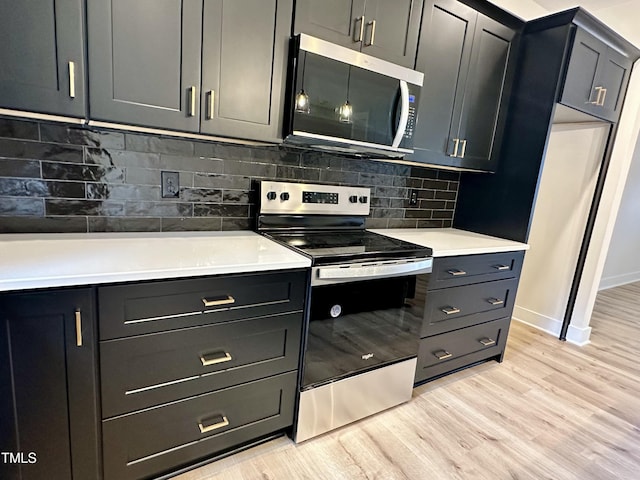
(366, 303)
(344, 100)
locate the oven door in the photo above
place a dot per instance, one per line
(360, 325)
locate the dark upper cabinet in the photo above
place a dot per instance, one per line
(144, 58)
(244, 49)
(467, 58)
(386, 29)
(42, 57)
(597, 77)
(210, 66)
(48, 403)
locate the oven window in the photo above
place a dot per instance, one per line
(357, 326)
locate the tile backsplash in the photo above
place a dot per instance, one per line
(69, 178)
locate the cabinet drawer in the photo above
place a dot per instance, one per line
(148, 370)
(162, 439)
(458, 307)
(467, 269)
(449, 351)
(149, 307)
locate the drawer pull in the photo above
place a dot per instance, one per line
(502, 267)
(78, 316)
(212, 359)
(495, 301)
(442, 354)
(487, 342)
(214, 426)
(456, 273)
(228, 300)
(450, 310)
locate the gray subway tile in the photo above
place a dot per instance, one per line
(191, 224)
(215, 180)
(106, 191)
(387, 212)
(84, 207)
(341, 178)
(117, 224)
(201, 195)
(448, 175)
(191, 164)
(234, 167)
(436, 184)
(418, 213)
(154, 144)
(442, 195)
(237, 224)
(122, 158)
(12, 128)
(11, 167)
(21, 206)
(43, 224)
(89, 173)
(10, 148)
(443, 214)
(376, 222)
(392, 192)
(431, 224)
(236, 196)
(158, 209)
(297, 173)
(402, 223)
(75, 135)
(422, 172)
(142, 176)
(220, 210)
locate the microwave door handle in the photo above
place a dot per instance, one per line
(404, 114)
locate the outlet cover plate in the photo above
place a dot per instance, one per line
(170, 184)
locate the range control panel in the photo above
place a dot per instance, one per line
(311, 198)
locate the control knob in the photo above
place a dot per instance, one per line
(353, 199)
(284, 196)
(363, 199)
(271, 195)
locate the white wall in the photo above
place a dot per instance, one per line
(571, 167)
(623, 259)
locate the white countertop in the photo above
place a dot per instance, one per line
(29, 261)
(448, 242)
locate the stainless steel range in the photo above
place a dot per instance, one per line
(366, 302)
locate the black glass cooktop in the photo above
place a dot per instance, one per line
(348, 246)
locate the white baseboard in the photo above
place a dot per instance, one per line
(617, 280)
(552, 326)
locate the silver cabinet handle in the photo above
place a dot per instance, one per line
(597, 100)
(442, 354)
(78, 328)
(214, 426)
(604, 95)
(212, 359)
(372, 24)
(487, 342)
(223, 301)
(72, 79)
(455, 148)
(456, 273)
(464, 148)
(495, 301)
(361, 30)
(450, 310)
(210, 104)
(192, 101)
(502, 267)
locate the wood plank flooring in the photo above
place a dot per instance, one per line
(551, 410)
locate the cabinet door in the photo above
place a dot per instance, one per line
(336, 21)
(48, 400)
(444, 54)
(41, 39)
(145, 62)
(485, 99)
(244, 52)
(582, 83)
(615, 78)
(391, 30)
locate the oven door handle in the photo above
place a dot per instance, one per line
(352, 273)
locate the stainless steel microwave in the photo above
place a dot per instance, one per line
(343, 100)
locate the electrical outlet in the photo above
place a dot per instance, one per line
(170, 184)
(413, 197)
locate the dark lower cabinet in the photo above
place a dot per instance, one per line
(470, 300)
(42, 57)
(468, 60)
(48, 405)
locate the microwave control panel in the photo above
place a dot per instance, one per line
(411, 122)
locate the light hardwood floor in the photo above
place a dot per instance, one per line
(551, 410)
